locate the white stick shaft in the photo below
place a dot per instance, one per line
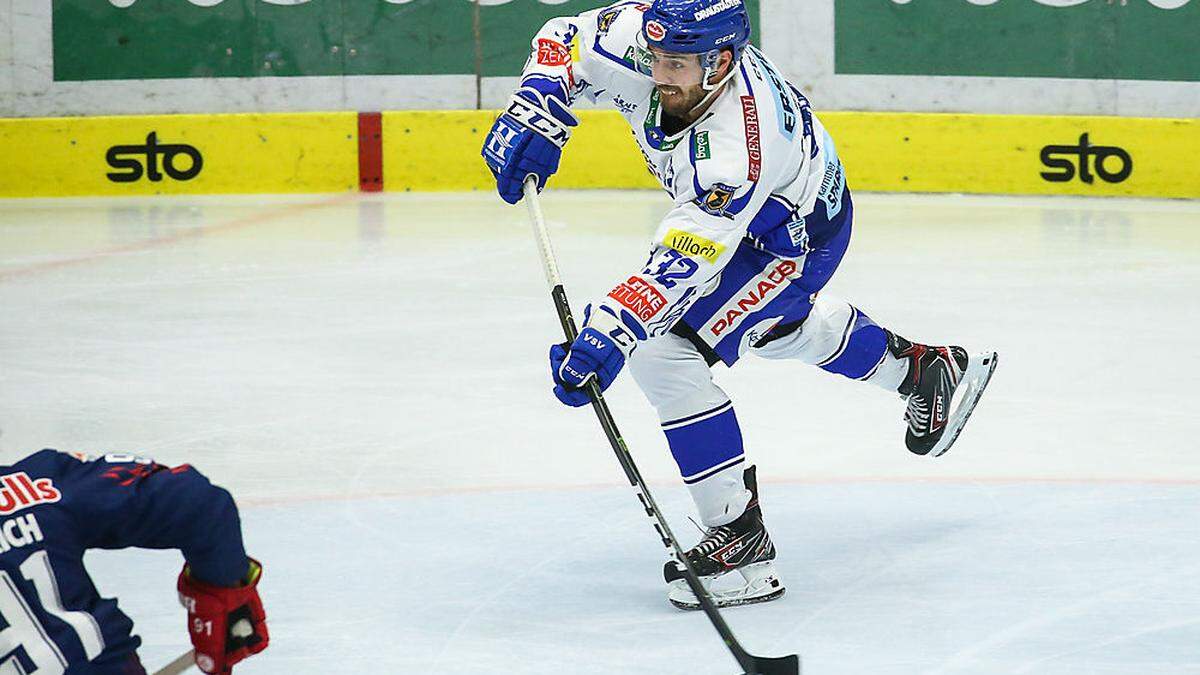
(179, 665)
(549, 262)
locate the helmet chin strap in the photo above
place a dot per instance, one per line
(712, 89)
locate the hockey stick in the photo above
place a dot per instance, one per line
(182, 663)
(752, 665)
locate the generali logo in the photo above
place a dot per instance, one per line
(753, 142)
(18, 491)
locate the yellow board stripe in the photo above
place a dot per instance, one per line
(292, 152)
(889, 152)
(439, 150)
(1002, 154)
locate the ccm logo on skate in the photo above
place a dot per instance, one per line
(734, 549)
(134, 161)
(18, 491)
(1064, 158)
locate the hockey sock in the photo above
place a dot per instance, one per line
(707, 446)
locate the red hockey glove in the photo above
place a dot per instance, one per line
(226, 624)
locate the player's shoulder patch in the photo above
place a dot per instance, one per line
(606, 18)
(617, 27)
(716, 200)
(619, 13)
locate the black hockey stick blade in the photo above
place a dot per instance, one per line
(781, 665)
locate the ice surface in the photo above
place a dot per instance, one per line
(367, 375)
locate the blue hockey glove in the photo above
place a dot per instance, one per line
(600, 351)
(527, 140)
(592, 354)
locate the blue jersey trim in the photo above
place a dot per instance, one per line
(609, 55)
(776, 81)
(710, 411)
(714, 471)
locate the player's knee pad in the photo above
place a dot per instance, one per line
(835, 336)
(675, 378)
(861, 347)
(818, 336)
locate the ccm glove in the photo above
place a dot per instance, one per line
(226, 624)
(598, 352)
(527, 140)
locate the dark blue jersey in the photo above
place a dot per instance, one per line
(55, 506)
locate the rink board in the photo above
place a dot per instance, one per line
(179, 154)
(885, 152)
(1019, 154)
(439, 151)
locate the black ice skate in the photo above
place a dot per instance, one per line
(942, 388)
(742, 546)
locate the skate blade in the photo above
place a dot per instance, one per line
(975, 380)
(761, 584)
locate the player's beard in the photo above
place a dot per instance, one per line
(678, 102)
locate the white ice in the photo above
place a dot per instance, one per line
(367, 375)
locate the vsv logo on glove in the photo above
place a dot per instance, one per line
(592, 354)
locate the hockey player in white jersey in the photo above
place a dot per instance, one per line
(762, 217)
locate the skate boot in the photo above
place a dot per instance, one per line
(942, 388)
(735, 562)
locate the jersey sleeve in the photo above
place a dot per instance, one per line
(122, 501)
(692, 244)
(564, 59)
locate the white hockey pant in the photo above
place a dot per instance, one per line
(698, 418)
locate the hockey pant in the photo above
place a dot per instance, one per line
(791, 320)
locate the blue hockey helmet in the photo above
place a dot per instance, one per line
(702, 27)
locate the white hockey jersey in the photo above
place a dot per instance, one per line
(757, 167)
